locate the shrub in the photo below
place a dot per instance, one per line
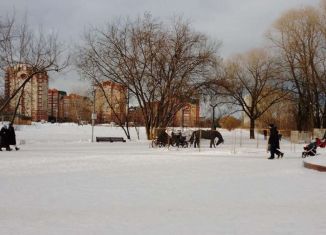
(229, 122)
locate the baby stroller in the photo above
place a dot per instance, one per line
(310, 150)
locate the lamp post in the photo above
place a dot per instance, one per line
(93, 113)
(183, 118)
(127, 108)
(213, 116)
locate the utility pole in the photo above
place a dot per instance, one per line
(94, 113)
(127, 109)
(213, 116)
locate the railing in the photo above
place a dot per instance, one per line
(239, 139)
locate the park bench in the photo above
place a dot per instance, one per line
(110, 139)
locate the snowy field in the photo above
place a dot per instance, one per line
(61, 183)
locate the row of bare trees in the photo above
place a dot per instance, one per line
(291, 70)
(250, 83)
(163, 66)
(299, 38)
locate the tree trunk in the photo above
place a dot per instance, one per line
(317, 118)
(309, 118)
(252, 128)
(148, 132)
(298, 117)
(17, 106)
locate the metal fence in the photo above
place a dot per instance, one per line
(234, 141)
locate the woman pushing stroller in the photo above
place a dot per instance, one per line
(274, 142)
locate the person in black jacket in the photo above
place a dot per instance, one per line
(4, 139)
(274, 142)
(12, 136)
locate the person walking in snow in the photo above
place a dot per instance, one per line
(4, 139)
(274, 142)
(12, 136)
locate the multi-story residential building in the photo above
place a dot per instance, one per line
(37, 102)
(33, 99)
(76, 108)
(56, 105)
(135, 116)
(188, 116)
(115, 109)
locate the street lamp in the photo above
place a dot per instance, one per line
(94, 116)
(213, 116)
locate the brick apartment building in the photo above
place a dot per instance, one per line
(188, 116)
(34, 97)
(117, 95)
(76, 108)
(56, 105)
(38, 102)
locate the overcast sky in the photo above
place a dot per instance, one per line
(239, 24)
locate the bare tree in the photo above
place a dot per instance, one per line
(299, 38)
(283, 115)
(214, 105)
(251, 82)
(161, 65)
(88, 69)
(19, 46)
(322, 67)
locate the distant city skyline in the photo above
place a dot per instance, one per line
(239, 25)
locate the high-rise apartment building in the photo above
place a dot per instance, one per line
(56, 104)
(115, 110)
(76, 108)
(33, 99)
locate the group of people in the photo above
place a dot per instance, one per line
(8, 137)
(274, 142)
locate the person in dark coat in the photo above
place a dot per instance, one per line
(4, 139)
(274, 142)
(12, 136)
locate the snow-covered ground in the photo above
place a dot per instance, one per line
(61, 183)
